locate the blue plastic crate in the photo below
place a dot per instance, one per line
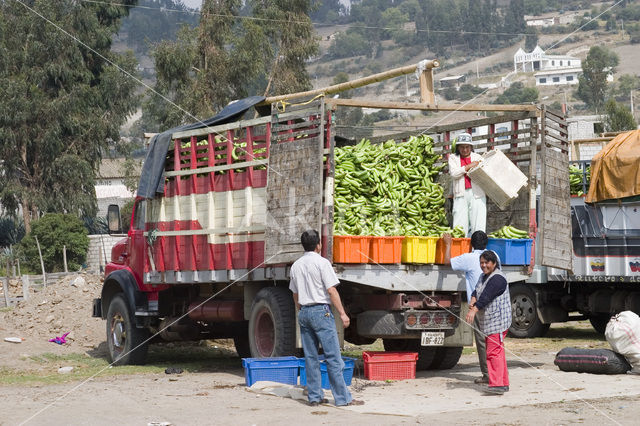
(347, 373)
(281, 369)
(511, 252)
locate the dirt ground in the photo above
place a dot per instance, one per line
(31, 391)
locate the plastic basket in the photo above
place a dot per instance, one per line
(419, 249)
(511, 252)
(386, 249)
(351, 248)
(389, 365)
(499, 177)
(347, 373)
(281, 369)
(458, 246)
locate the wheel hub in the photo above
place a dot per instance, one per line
(523, 311)
(265, 333)
(118, 333)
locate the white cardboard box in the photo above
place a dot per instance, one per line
(498, 177)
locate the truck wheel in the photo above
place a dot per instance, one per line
(127, 344)
(426, 354)
(599, 322)
(272, 326)
(446, 357)
(526, 322)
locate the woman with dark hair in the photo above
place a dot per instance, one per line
(469, 200)
(492, 304)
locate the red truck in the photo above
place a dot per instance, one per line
(208, 256)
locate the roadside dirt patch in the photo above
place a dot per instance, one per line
(64, 306)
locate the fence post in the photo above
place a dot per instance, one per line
(6, 291)
(64, 257)
(44, 275)
(25, 287)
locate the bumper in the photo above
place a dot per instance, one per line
(376, 324)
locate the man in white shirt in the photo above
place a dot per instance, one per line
(313, 284)
(470, 264)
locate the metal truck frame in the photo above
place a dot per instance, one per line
(210, 256)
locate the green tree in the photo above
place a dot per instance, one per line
(55, 231)
(592, 87)
(618, 117)
(227, 58)
(349, 43)
(518, 94)
(154, 21)
(62, 102)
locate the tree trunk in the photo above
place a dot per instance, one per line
(26, 216)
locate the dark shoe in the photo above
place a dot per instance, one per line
(483, 379)
(497, 390)
(316, 403)
(355, 402)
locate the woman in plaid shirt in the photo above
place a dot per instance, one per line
(492, 303)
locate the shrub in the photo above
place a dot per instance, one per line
(11, 231)
(55, 230)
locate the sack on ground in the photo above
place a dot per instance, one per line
(594, 361)
(623, 334)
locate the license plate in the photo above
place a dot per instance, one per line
(432, 338)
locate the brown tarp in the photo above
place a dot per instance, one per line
(615, 170)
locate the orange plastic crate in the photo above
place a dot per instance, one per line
(389, 365)
(386, 249)
(351, 248)
(458, 246)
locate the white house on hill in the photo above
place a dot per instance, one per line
(553, 69)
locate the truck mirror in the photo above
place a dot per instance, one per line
(113, 219)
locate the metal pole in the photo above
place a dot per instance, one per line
(64, 257)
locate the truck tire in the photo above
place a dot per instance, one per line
(446, 357)
(599, 322)
(525, 322)
(272, 326)
(126, 343)
(426, 354)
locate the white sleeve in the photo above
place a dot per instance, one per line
(329, 277)
(293, 285)
(455, 169)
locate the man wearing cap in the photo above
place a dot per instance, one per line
(469, 201)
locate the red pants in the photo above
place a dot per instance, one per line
(496, 360)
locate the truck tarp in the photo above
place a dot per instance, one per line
(152, 177)
(615, 170)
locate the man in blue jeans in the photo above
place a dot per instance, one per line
(313, 283)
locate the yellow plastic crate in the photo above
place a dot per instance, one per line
(419, 249)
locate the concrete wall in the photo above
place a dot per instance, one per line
(99, 249)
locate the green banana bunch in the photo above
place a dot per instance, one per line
(509, 232)
(388, 189)
(575, 180)
(456, 232)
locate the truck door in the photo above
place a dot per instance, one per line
(137, 242)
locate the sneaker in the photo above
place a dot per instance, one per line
(356, 402)
(497, 390)
(483, 379)
(316, 403)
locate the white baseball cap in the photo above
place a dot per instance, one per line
(464, 139)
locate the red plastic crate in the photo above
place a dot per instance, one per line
(389, 365)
